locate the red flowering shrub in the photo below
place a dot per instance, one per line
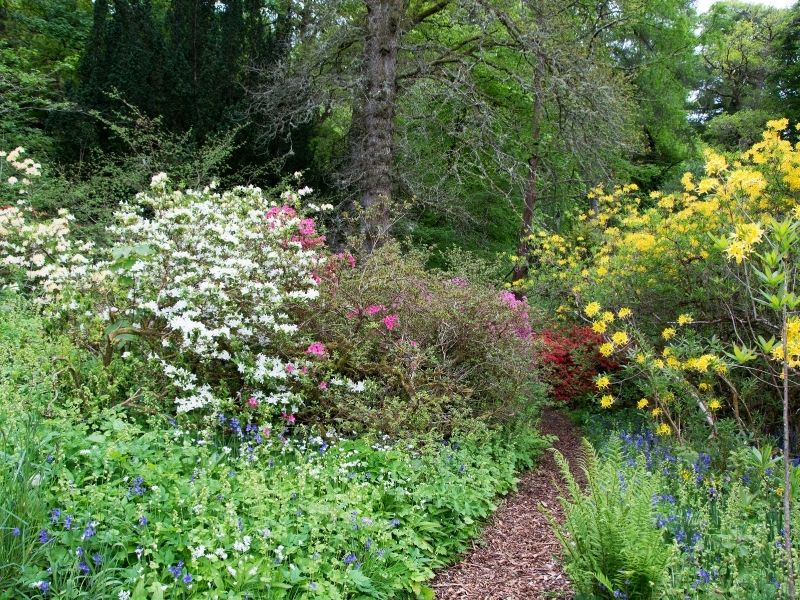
(570, 361)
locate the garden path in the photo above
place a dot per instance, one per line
(517, 557)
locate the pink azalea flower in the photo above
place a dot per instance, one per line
(253, 402)
(306, 227)
(289, 368)
(390, 321)
(317, 349)
(374, 309)
(288, 418)
(323, 385)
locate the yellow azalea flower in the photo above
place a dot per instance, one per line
(607, 401)
(620, 338)
(778, 124)
(599, 327)
(737, 250)
(591, 309)
(656, 411)
(606, 349)
(602, 271)
(624, 312)
(663, 429)
(721, 368)
(607, 316)
(602, 382)
(687, 183)
(673, 362)
(642, 403)
(685, 319)
(715, 162)
(714, 404)
(668, 333)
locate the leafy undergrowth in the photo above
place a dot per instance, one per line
(106, 506)
(659, 519)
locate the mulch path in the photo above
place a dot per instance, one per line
(517, 558)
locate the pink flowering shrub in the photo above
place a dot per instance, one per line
(436, 352)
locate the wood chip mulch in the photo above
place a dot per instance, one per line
(517, 557)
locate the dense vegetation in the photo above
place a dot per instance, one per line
(286, 286)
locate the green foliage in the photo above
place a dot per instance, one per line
(289, 514)
(609, 538)
(737, 131)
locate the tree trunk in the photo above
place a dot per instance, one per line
(532, 183)
(376, 160)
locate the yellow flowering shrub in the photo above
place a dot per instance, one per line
(662, 278)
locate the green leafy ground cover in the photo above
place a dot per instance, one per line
(100, 505)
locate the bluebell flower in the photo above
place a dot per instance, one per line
(16, 532)
(44, 537)
(394, 522)
(323, 448)
(43, 586)
(143, 521)
(50, 458)
(55, 515)
(137, 489)
(89, 532)
(350, 559)
(368, 544)
(79, 552)
(187, 578)
(83, 567)
(703, 576)
(620, 594)
(68, 522)
(176, 570)
(97, 559)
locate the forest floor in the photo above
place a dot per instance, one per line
(517, 557)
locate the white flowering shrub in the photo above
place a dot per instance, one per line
(200, 284)
(34, 250)
(212, 277)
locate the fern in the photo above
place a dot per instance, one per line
(609, 537)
